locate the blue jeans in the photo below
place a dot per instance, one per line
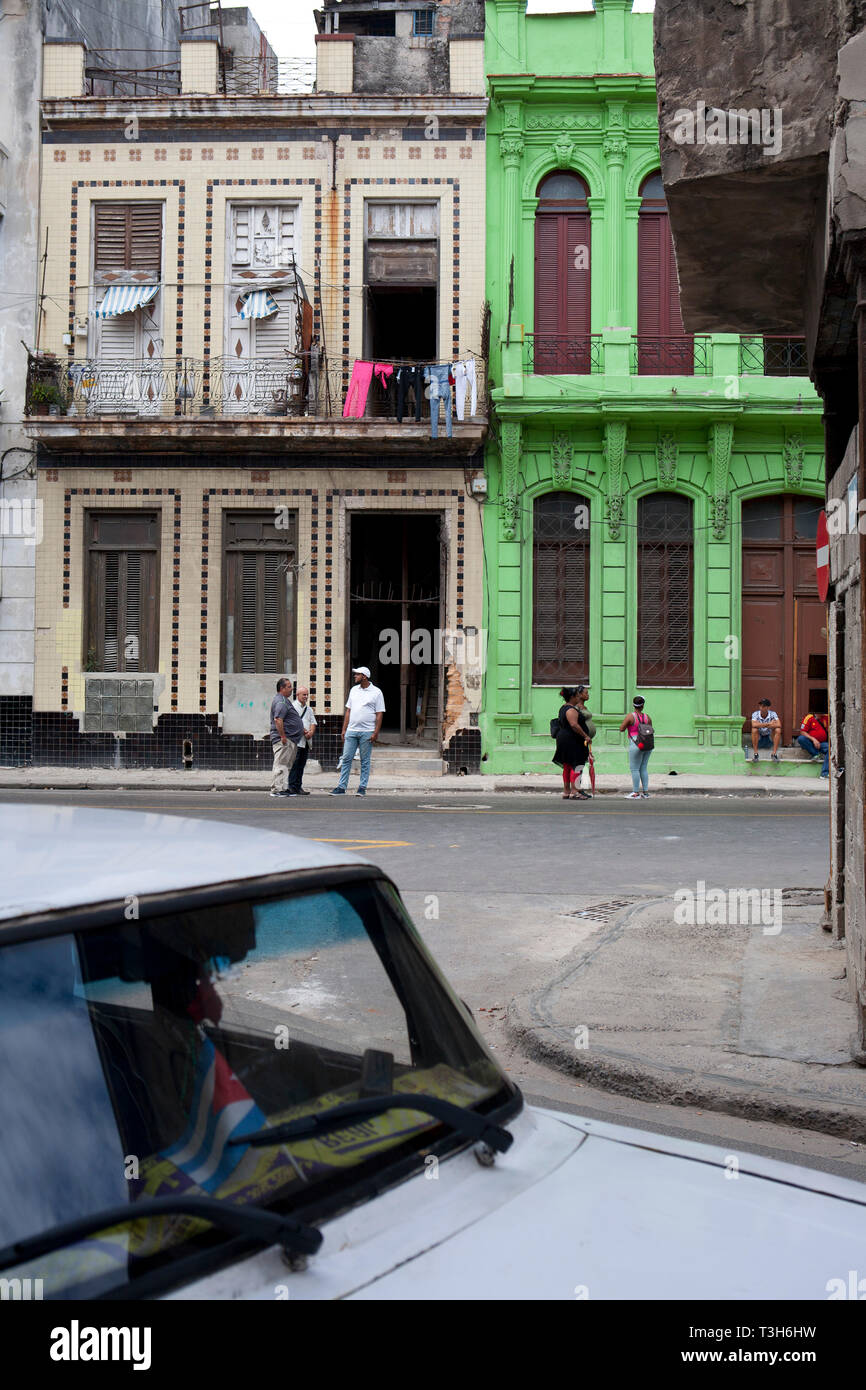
(350, 743)
(806, 743)
(638, 758)
(440, 390)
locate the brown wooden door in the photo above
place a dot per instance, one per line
(664, 347)
(784, 623)
(562, 277)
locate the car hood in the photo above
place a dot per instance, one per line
(579, 1209)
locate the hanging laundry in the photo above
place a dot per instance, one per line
(383, 371)
(409, 379)
(439, 378)
(359, 387)
(464, 375)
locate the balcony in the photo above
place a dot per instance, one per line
(684, 355)
(774, 354)
(554, 354)
(94, 403)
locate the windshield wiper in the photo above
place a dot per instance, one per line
(267, 1226)
(465, 1122)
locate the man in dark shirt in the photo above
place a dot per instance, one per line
(286, 730)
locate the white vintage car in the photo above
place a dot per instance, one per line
(231, 1069)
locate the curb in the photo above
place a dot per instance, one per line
(453, 787)
(607, 1071)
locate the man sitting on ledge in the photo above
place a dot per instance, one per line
(766, 731)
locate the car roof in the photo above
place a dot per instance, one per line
(54, 857)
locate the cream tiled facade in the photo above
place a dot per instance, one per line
(199, 156)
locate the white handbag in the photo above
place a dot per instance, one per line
(585, 783)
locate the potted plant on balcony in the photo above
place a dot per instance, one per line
(45, 398)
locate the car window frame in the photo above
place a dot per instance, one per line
(505, 1105)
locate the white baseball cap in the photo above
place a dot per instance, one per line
(361, 671)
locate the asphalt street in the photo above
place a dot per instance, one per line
(496, 888)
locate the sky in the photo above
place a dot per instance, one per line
(290, 26)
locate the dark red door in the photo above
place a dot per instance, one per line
(561, 340)
(664, 348)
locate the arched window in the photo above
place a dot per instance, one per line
(562, 277)
(560, 589)
(665, 612)
(664, 348)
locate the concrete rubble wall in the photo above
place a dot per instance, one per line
(729, 201)
(849, 885)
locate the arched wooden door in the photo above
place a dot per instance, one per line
(562, 276)
(784, 621)
(664, 348)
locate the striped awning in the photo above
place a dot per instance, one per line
(259, 304)
(125, 299)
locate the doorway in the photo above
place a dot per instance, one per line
(396, 566)
(784, 621)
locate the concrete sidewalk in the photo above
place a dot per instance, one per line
(170, 779)
(753, 1023)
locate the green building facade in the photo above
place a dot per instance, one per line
(652, 495)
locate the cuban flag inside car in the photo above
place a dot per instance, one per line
(221, 1109)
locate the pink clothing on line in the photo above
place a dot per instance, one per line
(359, 387)
(383, 371)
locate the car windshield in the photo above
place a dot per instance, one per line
(132, 1054)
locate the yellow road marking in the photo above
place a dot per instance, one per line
(359, 842)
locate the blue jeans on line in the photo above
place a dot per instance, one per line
(440, 390)
(806, 743)
(350, 743)
(638, 758)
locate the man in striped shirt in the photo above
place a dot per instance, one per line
(766, 731)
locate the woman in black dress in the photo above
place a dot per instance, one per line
(572, 742)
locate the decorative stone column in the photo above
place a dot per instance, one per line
(511, 153)
(719, 444)
(509, 501)
(615, 444)
(615, 152)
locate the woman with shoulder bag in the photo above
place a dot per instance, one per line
(641, 741)
(572, 742)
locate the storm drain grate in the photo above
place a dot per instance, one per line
(601, 912)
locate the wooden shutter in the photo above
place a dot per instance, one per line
(127, 237)
(122, 615)
(560, 586)
(659, 318)
(649, 276)
(577, 308)
(259, 604)
(562, 293)
(111, 236)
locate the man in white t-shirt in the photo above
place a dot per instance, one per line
(362, 721)
(766, 730)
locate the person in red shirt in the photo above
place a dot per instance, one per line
(814, 737)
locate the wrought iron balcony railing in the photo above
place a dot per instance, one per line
(774, 354)
(685, 354)
(223, 387)
(555, 354)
